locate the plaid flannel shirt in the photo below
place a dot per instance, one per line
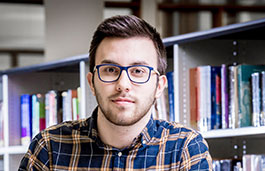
(75, 145)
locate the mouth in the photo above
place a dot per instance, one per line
(123, 101)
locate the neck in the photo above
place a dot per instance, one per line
(119, 136)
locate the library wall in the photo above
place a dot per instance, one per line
(69, 26)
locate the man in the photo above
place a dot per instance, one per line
(127, 67)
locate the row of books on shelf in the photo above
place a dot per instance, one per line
(249, 162)
(39, 111)
(227, 96)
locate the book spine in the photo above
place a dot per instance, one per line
(255, 89)
(262, 118)
(233, 112)
(207, 91)
(47, 110)
(79, 103)
(218, 101)
(52, 107)
(201, 112)
(193, 97)
(41, 101)
(64, 100)
(26, 119)
(1, 124)
(35, 116)
(224, 97)
(74, 104)
(170, 78)
(215, 97)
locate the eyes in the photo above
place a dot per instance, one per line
(136, 71)
(139, 74)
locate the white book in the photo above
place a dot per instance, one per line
(35, 115)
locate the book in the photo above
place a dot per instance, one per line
(193, 97)
(244, 94)
(1, 116)
(170, 78)
(233, 97)
(41, 100)
(204, 98)
(215, 97)
(224, 97)
(74, 104)
(26, 119)
(35, 115)
(262, 117)
(255, 99)
(47, 110)
(51, 108)
(1, 124)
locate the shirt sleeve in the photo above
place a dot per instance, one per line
(195, 155)
(37, 157)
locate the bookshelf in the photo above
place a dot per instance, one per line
(63, 74)
(240, 43)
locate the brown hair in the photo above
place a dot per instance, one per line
(127, 27)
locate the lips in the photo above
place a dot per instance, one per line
(123, 100)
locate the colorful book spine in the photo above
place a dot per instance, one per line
(26, 119)
(215, 97)
(41, 101)
(244, 93)
(170, 78)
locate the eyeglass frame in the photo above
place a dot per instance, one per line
(126, 69)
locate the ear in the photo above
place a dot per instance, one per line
(90, 82)
(162, 82)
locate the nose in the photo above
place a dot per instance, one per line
(123, 83)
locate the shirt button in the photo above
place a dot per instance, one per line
(120, 154)
(144, 141)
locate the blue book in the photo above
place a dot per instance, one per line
(215, 97)
(170, 78)
(26, 119)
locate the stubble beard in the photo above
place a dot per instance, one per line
(116, 118)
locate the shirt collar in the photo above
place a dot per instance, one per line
(145, 136)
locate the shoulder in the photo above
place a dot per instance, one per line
(193, 148)
(175, 129)
(179, 134)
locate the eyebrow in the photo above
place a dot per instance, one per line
(108, 61)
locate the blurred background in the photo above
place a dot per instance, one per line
(37, 31)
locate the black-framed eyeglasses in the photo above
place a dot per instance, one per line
(137, 73)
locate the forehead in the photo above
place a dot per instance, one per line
(127, 51)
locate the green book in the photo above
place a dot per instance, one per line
(244, 92)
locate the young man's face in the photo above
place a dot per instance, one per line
(123, 102)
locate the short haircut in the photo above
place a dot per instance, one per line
(127, 27)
